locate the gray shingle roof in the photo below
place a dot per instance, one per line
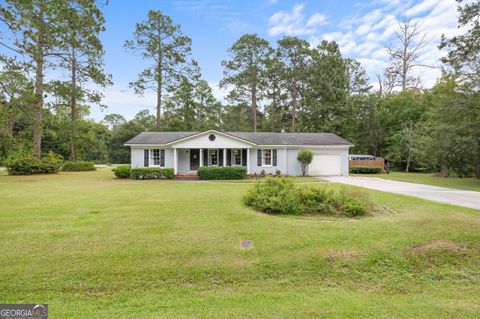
(259, 138)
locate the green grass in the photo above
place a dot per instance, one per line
(92, 246)
(472, 184)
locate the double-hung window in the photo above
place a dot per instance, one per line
(267, 157)
(237, 157)
(157, 157)
(213, 157)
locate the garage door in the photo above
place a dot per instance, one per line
(325, 165)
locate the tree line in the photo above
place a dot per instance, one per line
(53, 73)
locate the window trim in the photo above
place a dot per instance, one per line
(209, 159)
(271, 157)
(232, 157)
(151, 162)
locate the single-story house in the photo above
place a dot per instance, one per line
(185, 152)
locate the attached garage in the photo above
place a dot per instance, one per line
(325, 165)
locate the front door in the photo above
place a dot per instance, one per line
(194, 159)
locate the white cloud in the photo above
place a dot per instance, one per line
(294, 23)
(365, 35)
(317, 19)
(363, 29)
(219, 93)
(421, 7)
(122, 100)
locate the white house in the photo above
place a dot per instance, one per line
(185, 152)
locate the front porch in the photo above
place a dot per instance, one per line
(186, 161)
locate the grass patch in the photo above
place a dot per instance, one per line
(472, 184)
(91, 245)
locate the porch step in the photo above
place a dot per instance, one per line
(187, 177)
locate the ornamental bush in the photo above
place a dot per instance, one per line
(221, 172)
(365, 170)
(122, 171)
(78, 166)
(152, 173)
(305, 157)
(282, 196)
(28, 164)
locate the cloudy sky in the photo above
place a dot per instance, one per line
(362, 28)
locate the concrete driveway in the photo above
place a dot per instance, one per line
(470, 199)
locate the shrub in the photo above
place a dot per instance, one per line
(282, 196)
(219, 172)
(152, 173)
(365, 170)
(305, 157)
(78, 166)
(353, 207)
(276, 196)
(121, 171)
(27, 164)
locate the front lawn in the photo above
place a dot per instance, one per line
(472, 184)
(92, 246)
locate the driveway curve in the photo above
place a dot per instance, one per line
(469, 199)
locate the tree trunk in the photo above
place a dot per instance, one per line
(404, 63)
(254, 108)
(159, 104)
(73, 108)
(159, 90)
(273, 111)
(443, 170)
(38, 106)
(408, 164)
(294, 104)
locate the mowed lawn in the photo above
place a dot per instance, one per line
(92, 246)
(472, 184)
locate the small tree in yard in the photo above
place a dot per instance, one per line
(305, 158)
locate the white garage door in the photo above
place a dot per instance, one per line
(325, 165)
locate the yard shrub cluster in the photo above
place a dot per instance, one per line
(28, 164)
(121, 171)
(365, 170)
(152, 173)
(78, 166)
(228, 172)
(282, 196)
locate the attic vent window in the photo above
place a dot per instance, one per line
(211, 137)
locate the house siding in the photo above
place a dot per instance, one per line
(281, 163)
(183, 163)
(137, 157)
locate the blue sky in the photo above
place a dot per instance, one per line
(362, 29)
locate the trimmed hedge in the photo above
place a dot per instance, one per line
(122, 171)
(282, 196)
(220, 172)
(78, 166)
(152, 173)
(366, 170)
(27, 164)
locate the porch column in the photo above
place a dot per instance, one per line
(248, 161)
(201, 157)
(224, 157)
(175, 161)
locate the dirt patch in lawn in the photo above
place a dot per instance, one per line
(342, 254)
(435, 245)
